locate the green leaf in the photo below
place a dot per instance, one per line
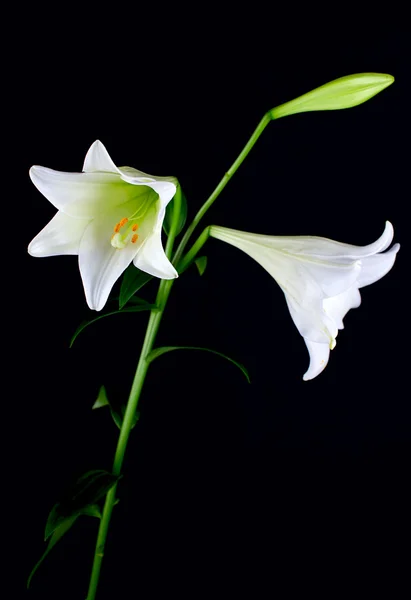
(92, 510)
(87, 490)
(118, 418)
(56, 536)
(201, 263)
(133, 280)
(102, 400)
(138, 307)
(169, 213)
(159, 351)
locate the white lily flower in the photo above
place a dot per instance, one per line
(320, 279)
(107, 215)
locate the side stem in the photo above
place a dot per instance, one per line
(208, 203)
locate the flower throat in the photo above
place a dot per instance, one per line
(120, 240)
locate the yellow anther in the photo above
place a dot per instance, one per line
(134, 227)
(120, 224)
(134, 238)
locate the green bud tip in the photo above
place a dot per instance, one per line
(344, 92)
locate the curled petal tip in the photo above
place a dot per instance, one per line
(319, 355)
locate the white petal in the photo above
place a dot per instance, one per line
(98, 159)
(101, 264)
(311, 320)
(319, 355)
(325, 248)
(61, 235)
(150, 256)
(337, 307)
(166, 191)
(375, 267)
(82, 194)
(302, 276)
(308, 246)
(152, 259)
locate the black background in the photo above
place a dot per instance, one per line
(273, 487)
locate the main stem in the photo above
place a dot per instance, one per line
(141, 371)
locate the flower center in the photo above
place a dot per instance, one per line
(120, 239)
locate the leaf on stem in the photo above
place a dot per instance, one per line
(138, 306)
(201, 263)
(133, 280)
(81, 499)
(162, 350)
(102, 400)
(182, 217)
(56, 536)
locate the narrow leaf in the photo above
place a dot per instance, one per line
(201, 263)
(182, 217)
(159, 351)
(133, 280)
(56, 536)
(87, 490)
(102, 399)
(129, 309)
(92, 510)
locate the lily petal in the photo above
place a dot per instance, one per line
(337, 307)
(152, 259)
(318, 247)
(375, 267)
(319, 355)
(150, 256)
(82, 194)
(62, 235)
(101, 264)
(298, 273)
(311, 320)
(99, 160)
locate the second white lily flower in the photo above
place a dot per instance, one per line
(109, 216)
(320, 279)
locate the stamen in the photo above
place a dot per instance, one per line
(120, 224)
(120, 240)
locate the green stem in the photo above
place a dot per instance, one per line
(208, 203)
(135, 392)
(141, 372)
(188, 258)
